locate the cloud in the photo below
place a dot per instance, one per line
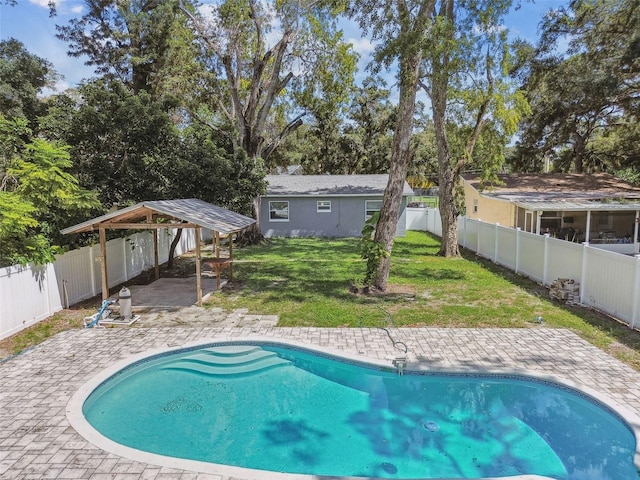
(362, 46)
(40, 3)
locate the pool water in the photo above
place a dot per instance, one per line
(287, 410)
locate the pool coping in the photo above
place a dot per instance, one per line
(78, 422)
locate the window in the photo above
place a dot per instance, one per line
(475, 206)
(323, 206)
(278, 211)
(371, 207)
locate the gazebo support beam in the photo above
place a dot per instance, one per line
(145, 226)
(156, 262)
(198, 267)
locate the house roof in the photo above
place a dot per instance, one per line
(329, 185)
(562, 191)
(192, 210)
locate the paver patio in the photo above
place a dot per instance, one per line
(37, 442)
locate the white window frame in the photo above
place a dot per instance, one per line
(273, 209)
(369, 211)
(323, 206)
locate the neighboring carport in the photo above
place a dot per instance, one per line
(165, 214)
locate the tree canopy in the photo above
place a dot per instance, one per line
(583, 81)
(38, 194)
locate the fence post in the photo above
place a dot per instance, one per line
(517, 266)
(545, 259)
(495, 243)
(636, 289)
(125, 242)
(464, 231)
(583, 276)
(92, 269)
(478, 225)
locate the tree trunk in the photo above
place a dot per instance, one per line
(579, 153)
(172, 248)
(400, 155)
(447, 174)
(252, 235)
(448, 213)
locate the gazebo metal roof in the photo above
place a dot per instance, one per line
(145, 215)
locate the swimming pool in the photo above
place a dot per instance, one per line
(270, 407)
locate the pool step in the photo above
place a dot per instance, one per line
(213, 362)
(230, 350)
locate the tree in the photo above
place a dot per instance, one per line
(369, 129)
(22, 78)
(140, 43)
(464, 74)
(121, 144)
(127, 148)
(399, 27)
(583, 81)
(324, 97)
(38, 195)
(253, 51)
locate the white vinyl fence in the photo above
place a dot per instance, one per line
(609, 282)
(34, 292)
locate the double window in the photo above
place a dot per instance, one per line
(279, 211)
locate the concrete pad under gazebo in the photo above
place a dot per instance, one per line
(168, 214)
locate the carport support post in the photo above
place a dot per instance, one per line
(231, 257)
(103, 264)
(198, 265)
(156, 262)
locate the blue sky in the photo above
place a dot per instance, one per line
(29, 22)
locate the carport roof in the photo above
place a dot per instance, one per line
(146, 215)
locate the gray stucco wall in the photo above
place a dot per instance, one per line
(346, 218)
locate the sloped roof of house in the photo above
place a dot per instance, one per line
(191, 210)
(561, 191)
(329, 185)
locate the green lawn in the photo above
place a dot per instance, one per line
(310, 282)
(307, 283)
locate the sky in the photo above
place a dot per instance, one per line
(29, 22)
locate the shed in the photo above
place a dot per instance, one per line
(324, 205)
(164, 214)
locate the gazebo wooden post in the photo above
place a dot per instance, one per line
(230, 256)
(198, 267)
(103, 264)
(217, 237)
(156, 261)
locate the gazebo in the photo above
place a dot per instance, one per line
(169, 214)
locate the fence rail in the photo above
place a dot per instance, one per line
(609, 281)
(34, 292)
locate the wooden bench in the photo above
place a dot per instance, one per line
(217, 265)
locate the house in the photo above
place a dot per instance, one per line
(324, 205)
(596, 208)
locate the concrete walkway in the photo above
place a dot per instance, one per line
(37, 442)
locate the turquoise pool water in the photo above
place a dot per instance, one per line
(287, 410)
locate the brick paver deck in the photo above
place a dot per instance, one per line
(37, 442)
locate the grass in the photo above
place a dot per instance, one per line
(312, 282)
(65, 320)
(307, 283)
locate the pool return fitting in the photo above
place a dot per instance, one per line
(399, 361)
